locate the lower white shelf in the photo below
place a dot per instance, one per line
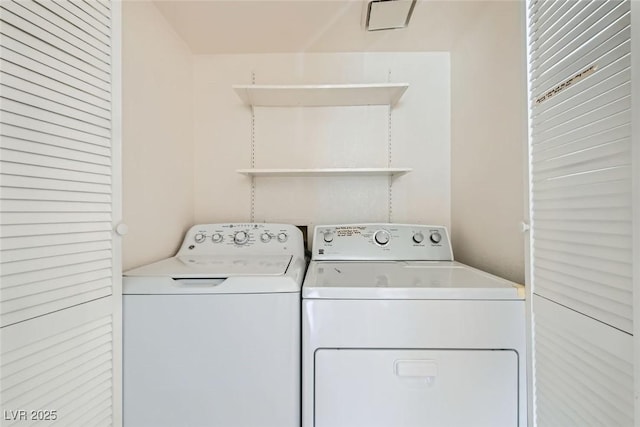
(325, 172)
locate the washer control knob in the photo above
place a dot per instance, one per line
(282, 237)
(328, 237)
(200, 237)
(240, 238)
(382, 237)
(435, 237)
(265, 237)
(418, 237)
(217, 238)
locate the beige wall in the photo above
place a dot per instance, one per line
(186, 132)
(323, 137)
(157, 154)
(489, 141)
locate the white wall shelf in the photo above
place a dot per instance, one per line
(393, 172)
(325, 95)
(321, 95)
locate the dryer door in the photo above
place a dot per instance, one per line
(411, 388)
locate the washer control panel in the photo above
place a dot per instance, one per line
(229, 238)
(395, 242)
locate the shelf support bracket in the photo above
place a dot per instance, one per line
(252, 214)
(389, 158)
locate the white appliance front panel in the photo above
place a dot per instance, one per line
(404, 280)
(409, 324)
(382, 241)
(416, 388)
(234, 285)
(212, 360)
(242, 239)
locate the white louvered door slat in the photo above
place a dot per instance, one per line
(604, 94)
(557, 149)
(67, 196)
(66, 65)
(55, 217)
(33, 288)
(604, 20)
(55, 118)
(63, 131)
(36, 159)
(22, 14)
(583, 369)
(22, 169)
(571, 30)
(59, 258)
(54, 261)
(610, 227)
(34, 230)
(568, 260)
(16, 54)
(83, 16)
(569, 161)
(101, 20)
(581, 212)
(30, 135)
(46, 95)
(15, 181)
(78, 22)
(33, 241)
(16, 95)
(607, 109)
(38, 253)
(35, 83)
(609, 188)
(62, 28)
(608, 77)
(50, 150)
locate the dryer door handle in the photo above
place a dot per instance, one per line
(425, 368)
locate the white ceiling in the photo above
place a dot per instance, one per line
(279, 26)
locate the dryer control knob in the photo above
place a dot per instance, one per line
(240, 238)
(435, 237)
(217, 238)
(200, 237)
(282, 237)
(418, 237)
(265, 237)
(328, 237)
(382, 237)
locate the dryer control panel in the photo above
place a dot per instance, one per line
(242, 238)
(385, 242)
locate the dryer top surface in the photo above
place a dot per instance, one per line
(405, 280)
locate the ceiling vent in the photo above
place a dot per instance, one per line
(388, 14)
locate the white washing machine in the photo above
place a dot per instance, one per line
(396, 333)
(212, 335)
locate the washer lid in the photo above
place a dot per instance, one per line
(405, 280)
(215, 267)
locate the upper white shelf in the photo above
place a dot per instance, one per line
(325, 172)
(320, 95)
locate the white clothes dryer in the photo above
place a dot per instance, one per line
(396, 333)
(212, 335)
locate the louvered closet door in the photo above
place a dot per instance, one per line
(59, 260)
(580, 153)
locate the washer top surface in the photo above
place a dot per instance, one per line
(219, 266)
(395, 261)
(226, 258)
